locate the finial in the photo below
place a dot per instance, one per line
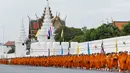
(36, 16)
(29, 18)
(47, 3)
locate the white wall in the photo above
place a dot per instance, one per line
(95, 46)
(20, 49)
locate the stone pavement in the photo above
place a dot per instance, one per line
(30, 69)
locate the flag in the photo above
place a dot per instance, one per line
(37, 33)
(88, 48)
(102, 48)
(50, 30)
(62, 33)
(48, 52)
(77, 49)
(116, 46)
(48, 35)
(62, 51)
(69, 48)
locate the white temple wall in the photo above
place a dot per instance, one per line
(73, 47)
(10, 55)
(39, 49)
(65, 46)
(109, 45)
(56, 48)
(83, 48)
(20, 50)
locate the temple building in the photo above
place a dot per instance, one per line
(45, 33)
(120, 24)
(35, 25)
(20, 47)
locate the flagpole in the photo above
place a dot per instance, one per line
(63, 34)
(29, 26)
(88, 48)
(116, 46)
(30, 31)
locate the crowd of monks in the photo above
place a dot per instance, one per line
(118, 61)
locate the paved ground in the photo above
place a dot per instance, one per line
(29, 69)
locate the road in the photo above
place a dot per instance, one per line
(29, 69)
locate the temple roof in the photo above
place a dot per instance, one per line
(22, 35)
(59, 19)
(9, 43)
(120, 24)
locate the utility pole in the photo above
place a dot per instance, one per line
(3, 41)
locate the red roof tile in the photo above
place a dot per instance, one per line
(10, 43)
(120, 24)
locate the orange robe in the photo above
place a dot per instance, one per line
(109, 61)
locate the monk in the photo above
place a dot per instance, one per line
(92, 61)
(98, 61)
(115, 60)
(103, 60)
(87, 62)
(128, 62)
(109, 61)
(122, 60)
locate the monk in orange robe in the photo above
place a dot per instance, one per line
(128, 63)
(122, 61)
(109, 61)
(87, 61)
(115, 60)
(92, 61)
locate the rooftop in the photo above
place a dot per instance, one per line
(10, 43)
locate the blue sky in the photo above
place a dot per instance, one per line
(89, 13)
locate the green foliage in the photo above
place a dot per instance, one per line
(126, 29)
(80, 38)
(84, 34)
(68, 33)
(12, 50)
(84, 29)
(107, 31)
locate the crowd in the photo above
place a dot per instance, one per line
(117, 61)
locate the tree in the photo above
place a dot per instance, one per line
(79, 39)
(12, 50)
(81, 35)
(68, 34)
(126, 29)
(84, 29)
(107, 31)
